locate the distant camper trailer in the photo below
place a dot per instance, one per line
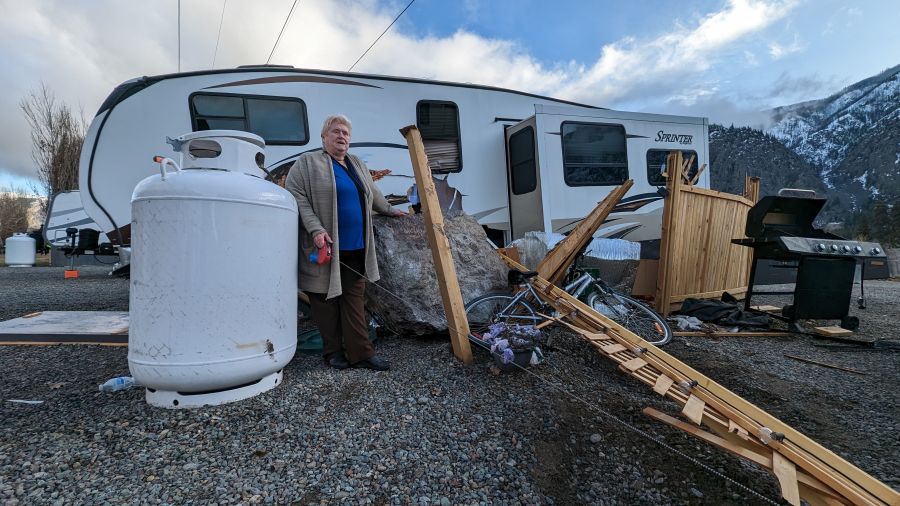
(522, 162)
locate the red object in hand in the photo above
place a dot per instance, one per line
(321, 256)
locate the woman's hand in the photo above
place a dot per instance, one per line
(398, 213)
(321, 239)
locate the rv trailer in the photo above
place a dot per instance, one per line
(522, 162)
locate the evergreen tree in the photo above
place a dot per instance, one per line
(894, 236)
(880, 224)
(863, 231)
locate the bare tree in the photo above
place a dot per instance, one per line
(56, 139)
(13, 211)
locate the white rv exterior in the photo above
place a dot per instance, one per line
(66, 211)
(566, 156)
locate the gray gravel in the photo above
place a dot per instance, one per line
(430, 431)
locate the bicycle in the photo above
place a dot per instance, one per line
(496, 307)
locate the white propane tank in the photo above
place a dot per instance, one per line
(20, 251)
(213, 301)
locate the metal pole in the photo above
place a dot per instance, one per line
(179, 35)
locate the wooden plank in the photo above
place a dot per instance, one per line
(58, 343)
(738, 292)
(668, 234)
(634, 364)
(823, 364)
(717, 194)
(732, 334)
(451, 296)
(697, 175)
(557, 261)
(693, 409)
(833, 331)
(663, 383)
(737, 429)
(612, 348)
(32, 315)
(786, 472)
(762, 459)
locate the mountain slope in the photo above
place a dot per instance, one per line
(827, 132)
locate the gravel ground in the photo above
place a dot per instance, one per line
(430, 431)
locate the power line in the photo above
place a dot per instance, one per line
(179, 35)
(382, 34)
(282, 31)
(222, 18)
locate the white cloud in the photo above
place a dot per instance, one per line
(778, 51)
(81, 50)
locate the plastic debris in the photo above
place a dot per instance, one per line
(687, 322)
(116, 384)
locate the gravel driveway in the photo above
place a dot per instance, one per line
(430, 431)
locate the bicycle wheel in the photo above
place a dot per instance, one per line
(633, 315)
(492, 308)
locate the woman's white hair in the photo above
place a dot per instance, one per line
(336, 118)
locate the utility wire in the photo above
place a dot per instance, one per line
(288, 18)
(221, 18)
(382, 34)
(179, 35)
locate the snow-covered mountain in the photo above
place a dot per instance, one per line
(846, 146)
(851, 137)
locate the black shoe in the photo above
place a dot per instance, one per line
(338, 361)
(374, 363)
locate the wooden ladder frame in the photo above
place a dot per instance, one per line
(804, 469)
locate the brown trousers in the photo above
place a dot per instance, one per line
(342, 319)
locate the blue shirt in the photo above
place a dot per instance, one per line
(349, 205)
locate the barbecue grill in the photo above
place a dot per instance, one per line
(780, 227)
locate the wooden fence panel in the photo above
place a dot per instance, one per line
(697, 258)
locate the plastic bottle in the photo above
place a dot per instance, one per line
(116, 384)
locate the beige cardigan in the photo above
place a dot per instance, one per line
(311, 181)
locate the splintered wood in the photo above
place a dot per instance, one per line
(804, 469)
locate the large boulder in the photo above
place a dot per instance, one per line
(407, 299)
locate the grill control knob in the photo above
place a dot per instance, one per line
(876, 251)
(857, 249)
(845, 249)
(820, 247)
(834, 248)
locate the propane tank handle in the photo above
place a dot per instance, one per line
(162, 161)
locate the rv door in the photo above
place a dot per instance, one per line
(526, 210)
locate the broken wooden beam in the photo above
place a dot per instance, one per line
(823, 364)
(554, 266)
(457, 324)
(699, 333)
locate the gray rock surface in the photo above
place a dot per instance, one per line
(407, 299)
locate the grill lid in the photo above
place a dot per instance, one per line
(777, 215)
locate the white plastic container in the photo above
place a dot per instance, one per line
(213, 301)
(21, 251)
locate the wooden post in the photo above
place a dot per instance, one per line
(673, 186)
(451, 296)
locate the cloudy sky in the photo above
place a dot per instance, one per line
(728, 60)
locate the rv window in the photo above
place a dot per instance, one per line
(656, 160)
(522, 168)
(212, 105)
(594, 154)
(278, 120)
(438, 122)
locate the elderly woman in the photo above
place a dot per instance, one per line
(336, 196)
